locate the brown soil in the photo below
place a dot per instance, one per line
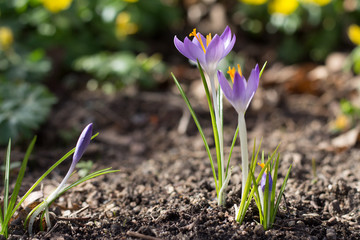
(165, 188)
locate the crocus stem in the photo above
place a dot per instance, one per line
(221, 176)
(268, 213)
(244, 150)
(261, 196)
(44, 205)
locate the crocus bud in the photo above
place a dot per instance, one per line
(82, 142)
(263, 180)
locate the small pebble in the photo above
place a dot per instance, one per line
(109, 214)
(330, 234)
(259, 230)
(98, 224)
(291, 223)
(334, 207)
(332, 220)
(322, 196)
(115, 228)
(300, 223)
(136, 209)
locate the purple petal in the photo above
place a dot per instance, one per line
(228, 40)
(197, 43)
(181, 48)
(239, 90)
(252, 84)
(263, 182)
(214, 52)
(229, 46)
(194, 51)
(226, 36)
(225, 86)
(82, 143)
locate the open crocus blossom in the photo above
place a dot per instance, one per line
(209, 51)
(242, 92)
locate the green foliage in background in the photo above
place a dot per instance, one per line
(303, 29)
(124, 66)
(23, 107)
(51, 40)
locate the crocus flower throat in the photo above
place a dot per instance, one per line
(208, 50)
(198, 37)
(232, 72)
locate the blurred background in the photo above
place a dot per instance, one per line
(51, 49)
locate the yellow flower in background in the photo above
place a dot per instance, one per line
(55, 6)
(317, 2)
(131, 1)
(6, 38)
(253, 2)
(124, 26)
(342, 122)
(354, 33)
(285, 7)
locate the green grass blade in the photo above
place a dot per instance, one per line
(273, 192)
(231, 149)
(83, 179)
(257, 196)
(215, 128)
(197, 123)
(280, 195)
(262, 69)
(19, 179)
(42, 178)
(1, 220)
(88, 177)
(6, 179)
(31, 212)
(245, 201)
(68, 154)
(254, 160)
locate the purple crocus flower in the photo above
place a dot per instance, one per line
(263, 182)
(209, 51)
(242, 92)
(263, 179)
(81, 146)
(83, 142)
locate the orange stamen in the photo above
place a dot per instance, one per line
(194, 34)
(262, 165)
(239, 70)
(231, 72)
(208, 39)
